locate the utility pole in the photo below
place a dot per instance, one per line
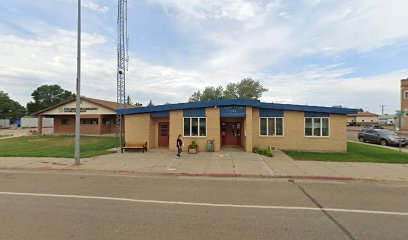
(382, 109)
(78, 93)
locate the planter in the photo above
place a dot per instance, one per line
(192, 150)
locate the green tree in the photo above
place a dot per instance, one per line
(10, 109)
(46, 96)
(250, 89)
(231, 91)
(150, 104)
(246, 88)
(128, 100)
(212, 93)
(195, 97)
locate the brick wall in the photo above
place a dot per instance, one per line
(294, 137)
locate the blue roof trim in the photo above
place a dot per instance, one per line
(237, 102)
(264, 112)
(316, 114)
(160, 114)
(195, 112)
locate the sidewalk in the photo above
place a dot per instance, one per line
(222, 164)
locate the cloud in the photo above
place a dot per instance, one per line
(239, 10)
(91, 5)
(253, 35)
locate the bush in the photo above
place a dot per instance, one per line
(262, 151)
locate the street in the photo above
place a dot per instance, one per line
(57, 205)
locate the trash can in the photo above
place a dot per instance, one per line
(210, 146)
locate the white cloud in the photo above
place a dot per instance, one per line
(91, 5)
(240, 10)
(267, 33)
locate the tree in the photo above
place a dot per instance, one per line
(196, 97)
(212, 93)
(250, 89)
(46, 96)
(10, 109)
(128, 100)
(246, 88)
(150, 104)
(231, 91)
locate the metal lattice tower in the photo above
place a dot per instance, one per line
(122, 54)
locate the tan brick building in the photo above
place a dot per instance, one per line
(239, 122)
(97, 116)
(404, 103)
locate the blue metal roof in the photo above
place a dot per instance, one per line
(236, 102)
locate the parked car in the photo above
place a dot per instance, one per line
(381, 136)
(372, 127)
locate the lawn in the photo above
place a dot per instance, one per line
(54, 146)
(355, 153)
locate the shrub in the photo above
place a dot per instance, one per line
(262, 151)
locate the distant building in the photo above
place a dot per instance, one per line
(386, 119)
(363, 118)
(404, 103)
(97, 116)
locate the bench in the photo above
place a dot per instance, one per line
(142, 146)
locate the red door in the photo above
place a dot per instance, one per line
(163, 134)
(231, 133)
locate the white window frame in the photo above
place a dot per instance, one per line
(267, 127)
(321, 127)
(191, 127)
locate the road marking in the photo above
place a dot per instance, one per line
(266, 166)
(168, 166)
(205, 204)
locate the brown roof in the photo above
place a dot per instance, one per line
(363, 114)
(108, 104)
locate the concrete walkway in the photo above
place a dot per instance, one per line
(225, 163)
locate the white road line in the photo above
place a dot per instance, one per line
(205, 204)
(266, 166)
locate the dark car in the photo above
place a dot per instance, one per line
(381, 136)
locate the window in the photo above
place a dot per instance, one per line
(271, 126)
(406, 94)
(316, 127)
(64, 121)
(195, 127)
(107, 121)
(89, 121)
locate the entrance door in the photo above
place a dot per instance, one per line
(231, 133)
(163, 134)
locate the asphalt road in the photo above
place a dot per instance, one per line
(44, 205)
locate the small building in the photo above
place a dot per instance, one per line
(32, 122)
(363, 118)
(97, 116)
(4, 123)
(386, 119)
(239, 122)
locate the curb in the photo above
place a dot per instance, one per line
(215, 175)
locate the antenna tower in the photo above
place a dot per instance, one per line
(123, 59)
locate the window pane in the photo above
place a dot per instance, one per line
(194, 128)
(308, 126)
(186, 126)
(203, 127)
(325, 127)
(271, 126)
(263, 126)
(316, 126)
(279, 126)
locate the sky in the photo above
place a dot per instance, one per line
(314, 52)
